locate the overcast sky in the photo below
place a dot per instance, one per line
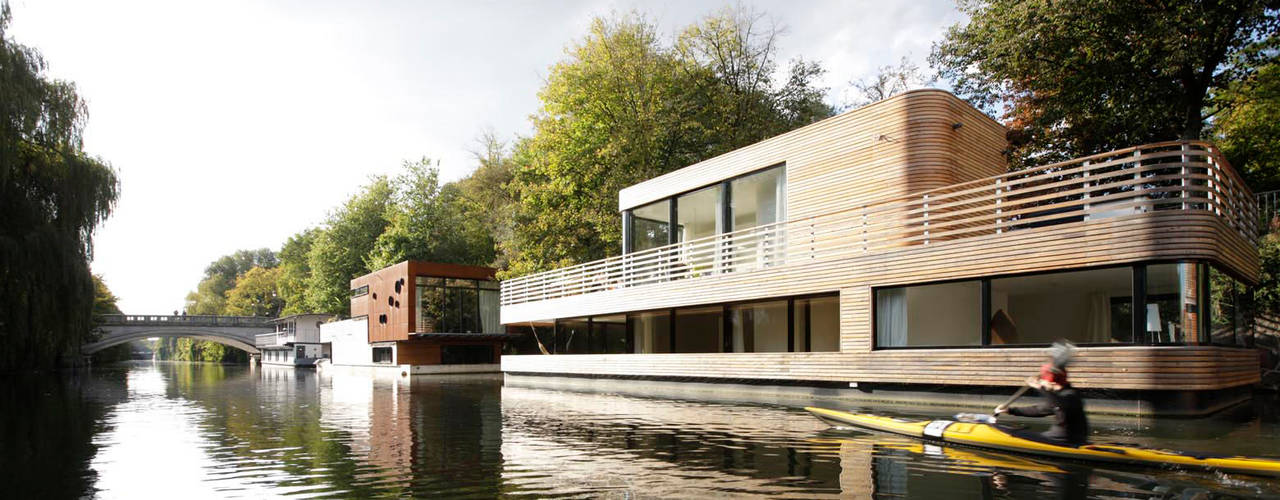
(234, 124)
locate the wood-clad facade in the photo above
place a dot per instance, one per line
(907, 203)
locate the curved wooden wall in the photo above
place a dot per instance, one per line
(905, 144)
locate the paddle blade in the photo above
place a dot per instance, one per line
(975, 418)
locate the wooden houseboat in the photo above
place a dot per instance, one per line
(889, 253)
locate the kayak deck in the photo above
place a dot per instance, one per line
(1005, 438)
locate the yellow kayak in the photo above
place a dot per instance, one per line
(1005, 438)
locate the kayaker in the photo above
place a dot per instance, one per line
(1061, 400)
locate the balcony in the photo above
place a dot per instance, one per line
(277, 339)
(1187, 176)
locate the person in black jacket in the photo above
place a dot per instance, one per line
(1063, 401)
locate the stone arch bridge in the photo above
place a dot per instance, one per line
(235, 331)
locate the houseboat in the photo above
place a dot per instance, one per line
(889, 253)
(421, 318)
(296, 341)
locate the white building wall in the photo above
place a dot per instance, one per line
(349, 341)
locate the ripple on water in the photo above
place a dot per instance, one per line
(253, 433)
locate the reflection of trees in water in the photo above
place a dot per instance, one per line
(47, 426)
(596, 442)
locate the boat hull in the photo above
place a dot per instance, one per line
(1004, 438)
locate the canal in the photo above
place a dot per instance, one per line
(178, 430)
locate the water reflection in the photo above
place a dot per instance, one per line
(269, 431)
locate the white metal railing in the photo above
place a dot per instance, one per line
(273, 339)
(1181, 175)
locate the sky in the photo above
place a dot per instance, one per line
(235, 124)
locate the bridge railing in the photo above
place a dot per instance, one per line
(182, 320)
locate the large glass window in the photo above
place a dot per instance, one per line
(650, 225)
(382, 355)
(1175, 303)
(698, 214)
(929, 315)
(609, 334)
(700, 329)
(456, 306)
(1172, 310)
(1230, 310)
(1077, 306)
(759, 327)
(817, 324)
(757, 200)
(572, 336)
(651, 330)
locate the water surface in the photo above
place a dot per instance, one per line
(183, 430)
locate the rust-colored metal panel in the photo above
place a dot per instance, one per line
(390, 303)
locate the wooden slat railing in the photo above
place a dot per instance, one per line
(1180, 175)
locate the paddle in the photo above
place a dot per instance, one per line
(1011, 399)
(983, 418)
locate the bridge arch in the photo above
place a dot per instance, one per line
(112, 340)
(236, 331)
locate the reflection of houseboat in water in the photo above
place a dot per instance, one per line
(888, 254)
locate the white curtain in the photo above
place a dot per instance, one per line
(1098, 328)
(489, 319)
(891, 317)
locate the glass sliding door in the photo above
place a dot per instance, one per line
(698, 215)
(757, 200)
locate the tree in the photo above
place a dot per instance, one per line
(1074, 78)
(1249, 128)
(256, 293)
(295, 270)
(732, 55)
(339, 251)
(52, 197)
(484, 200)
(622, 108)
(210, 296)
(425, 222)
(888, 82)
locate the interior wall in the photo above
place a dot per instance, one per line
(945, 314)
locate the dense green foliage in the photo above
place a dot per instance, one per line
(1248, 130)
(240, 284)
(210, 296)
(341, 249)
(623, 107)
(52, 196)
(295, 268)
(104, 302)
(1074, 78)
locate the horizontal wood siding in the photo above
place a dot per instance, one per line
(904, 144)
(1159, 368)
